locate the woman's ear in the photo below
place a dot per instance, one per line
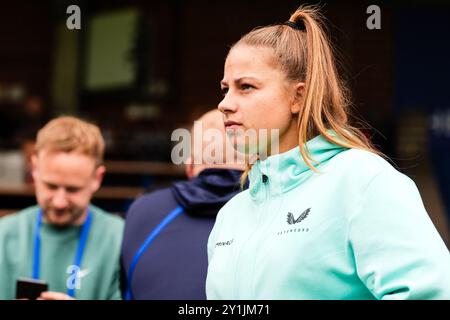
(298, 98)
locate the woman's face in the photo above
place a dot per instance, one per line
(258, 96)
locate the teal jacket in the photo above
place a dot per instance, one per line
(355, 230)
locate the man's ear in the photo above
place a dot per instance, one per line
(298, 99)
(189, 168)
(98, 177)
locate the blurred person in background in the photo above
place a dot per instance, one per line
(164, 248)
(64, 240)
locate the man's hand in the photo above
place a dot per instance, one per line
(50, 295)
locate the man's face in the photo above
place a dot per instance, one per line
(65, 183)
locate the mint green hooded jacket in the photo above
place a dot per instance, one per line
(355, 230)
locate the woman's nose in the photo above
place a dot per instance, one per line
(227, 105)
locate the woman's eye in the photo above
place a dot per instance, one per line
(224, 90)
(247, 87)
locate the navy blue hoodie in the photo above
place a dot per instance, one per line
(174, 265)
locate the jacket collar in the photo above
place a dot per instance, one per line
(287, 170)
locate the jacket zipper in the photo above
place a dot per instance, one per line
(265, 180)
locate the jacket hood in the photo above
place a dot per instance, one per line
(287, 170)
(205, 194)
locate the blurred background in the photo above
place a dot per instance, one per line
(140, 69)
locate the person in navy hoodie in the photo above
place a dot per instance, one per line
(164, 250)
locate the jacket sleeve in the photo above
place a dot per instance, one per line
(114, 292)
(397, 250)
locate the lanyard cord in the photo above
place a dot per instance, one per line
(155, 232)
(79, 253)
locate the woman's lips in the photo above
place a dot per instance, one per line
(232, 125)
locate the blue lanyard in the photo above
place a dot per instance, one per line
(172, 215)
(80, 249)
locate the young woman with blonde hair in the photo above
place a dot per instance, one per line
(325, 216)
